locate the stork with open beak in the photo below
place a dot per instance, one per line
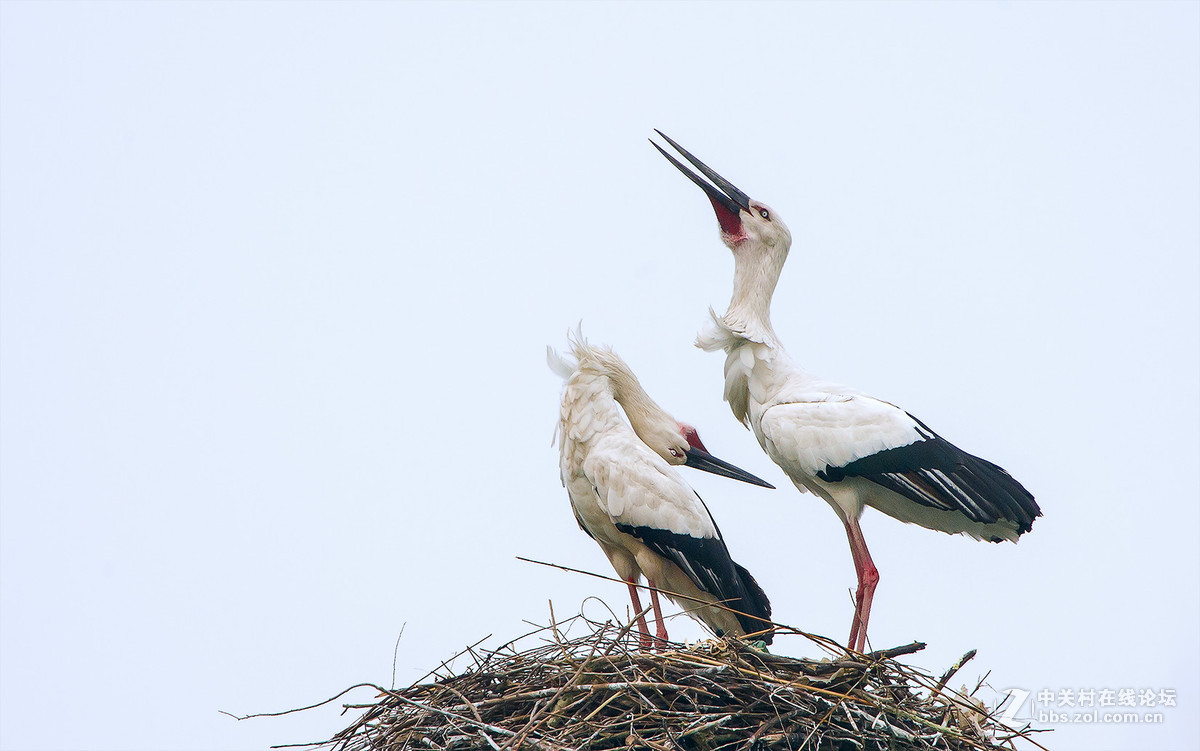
(846, 447)
(618, 453)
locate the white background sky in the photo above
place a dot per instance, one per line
(277, 281)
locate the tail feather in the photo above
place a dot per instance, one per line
(754, 602)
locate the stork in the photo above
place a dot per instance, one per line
(618, 450)
(848, 448)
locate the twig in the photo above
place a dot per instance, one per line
(824, 641)
(888, 654)
(303, 709)
(396, 652)
(953, 669)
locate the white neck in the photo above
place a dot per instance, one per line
(642, 411)
(610, 382)
(756, 272)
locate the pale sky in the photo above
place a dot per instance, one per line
(277, 281)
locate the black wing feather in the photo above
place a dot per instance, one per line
(706, 562)
(935, 473)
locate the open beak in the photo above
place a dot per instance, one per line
(726, 199)
(702, 460)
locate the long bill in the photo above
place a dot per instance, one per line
(706, 462)
(727, 200)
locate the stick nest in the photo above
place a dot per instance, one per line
(599, 691)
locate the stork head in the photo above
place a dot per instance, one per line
(744, 221)
(682, 446)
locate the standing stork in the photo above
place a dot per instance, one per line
(618, 452)
(848, 448)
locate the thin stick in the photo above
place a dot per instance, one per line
(779, 626)
(953, 669)
(303, 709)
(888, 654)
(396, 652)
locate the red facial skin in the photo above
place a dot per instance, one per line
(731, 224)
(691, 436)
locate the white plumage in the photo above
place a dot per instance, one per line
(617, 451)
(848, 448)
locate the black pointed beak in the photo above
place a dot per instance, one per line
(702, 460)
(720, 191)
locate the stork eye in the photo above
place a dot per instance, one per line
(674, 451)
(763, 213)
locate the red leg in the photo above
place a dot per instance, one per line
(868, 577)
(643, 632)
(660, 628)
